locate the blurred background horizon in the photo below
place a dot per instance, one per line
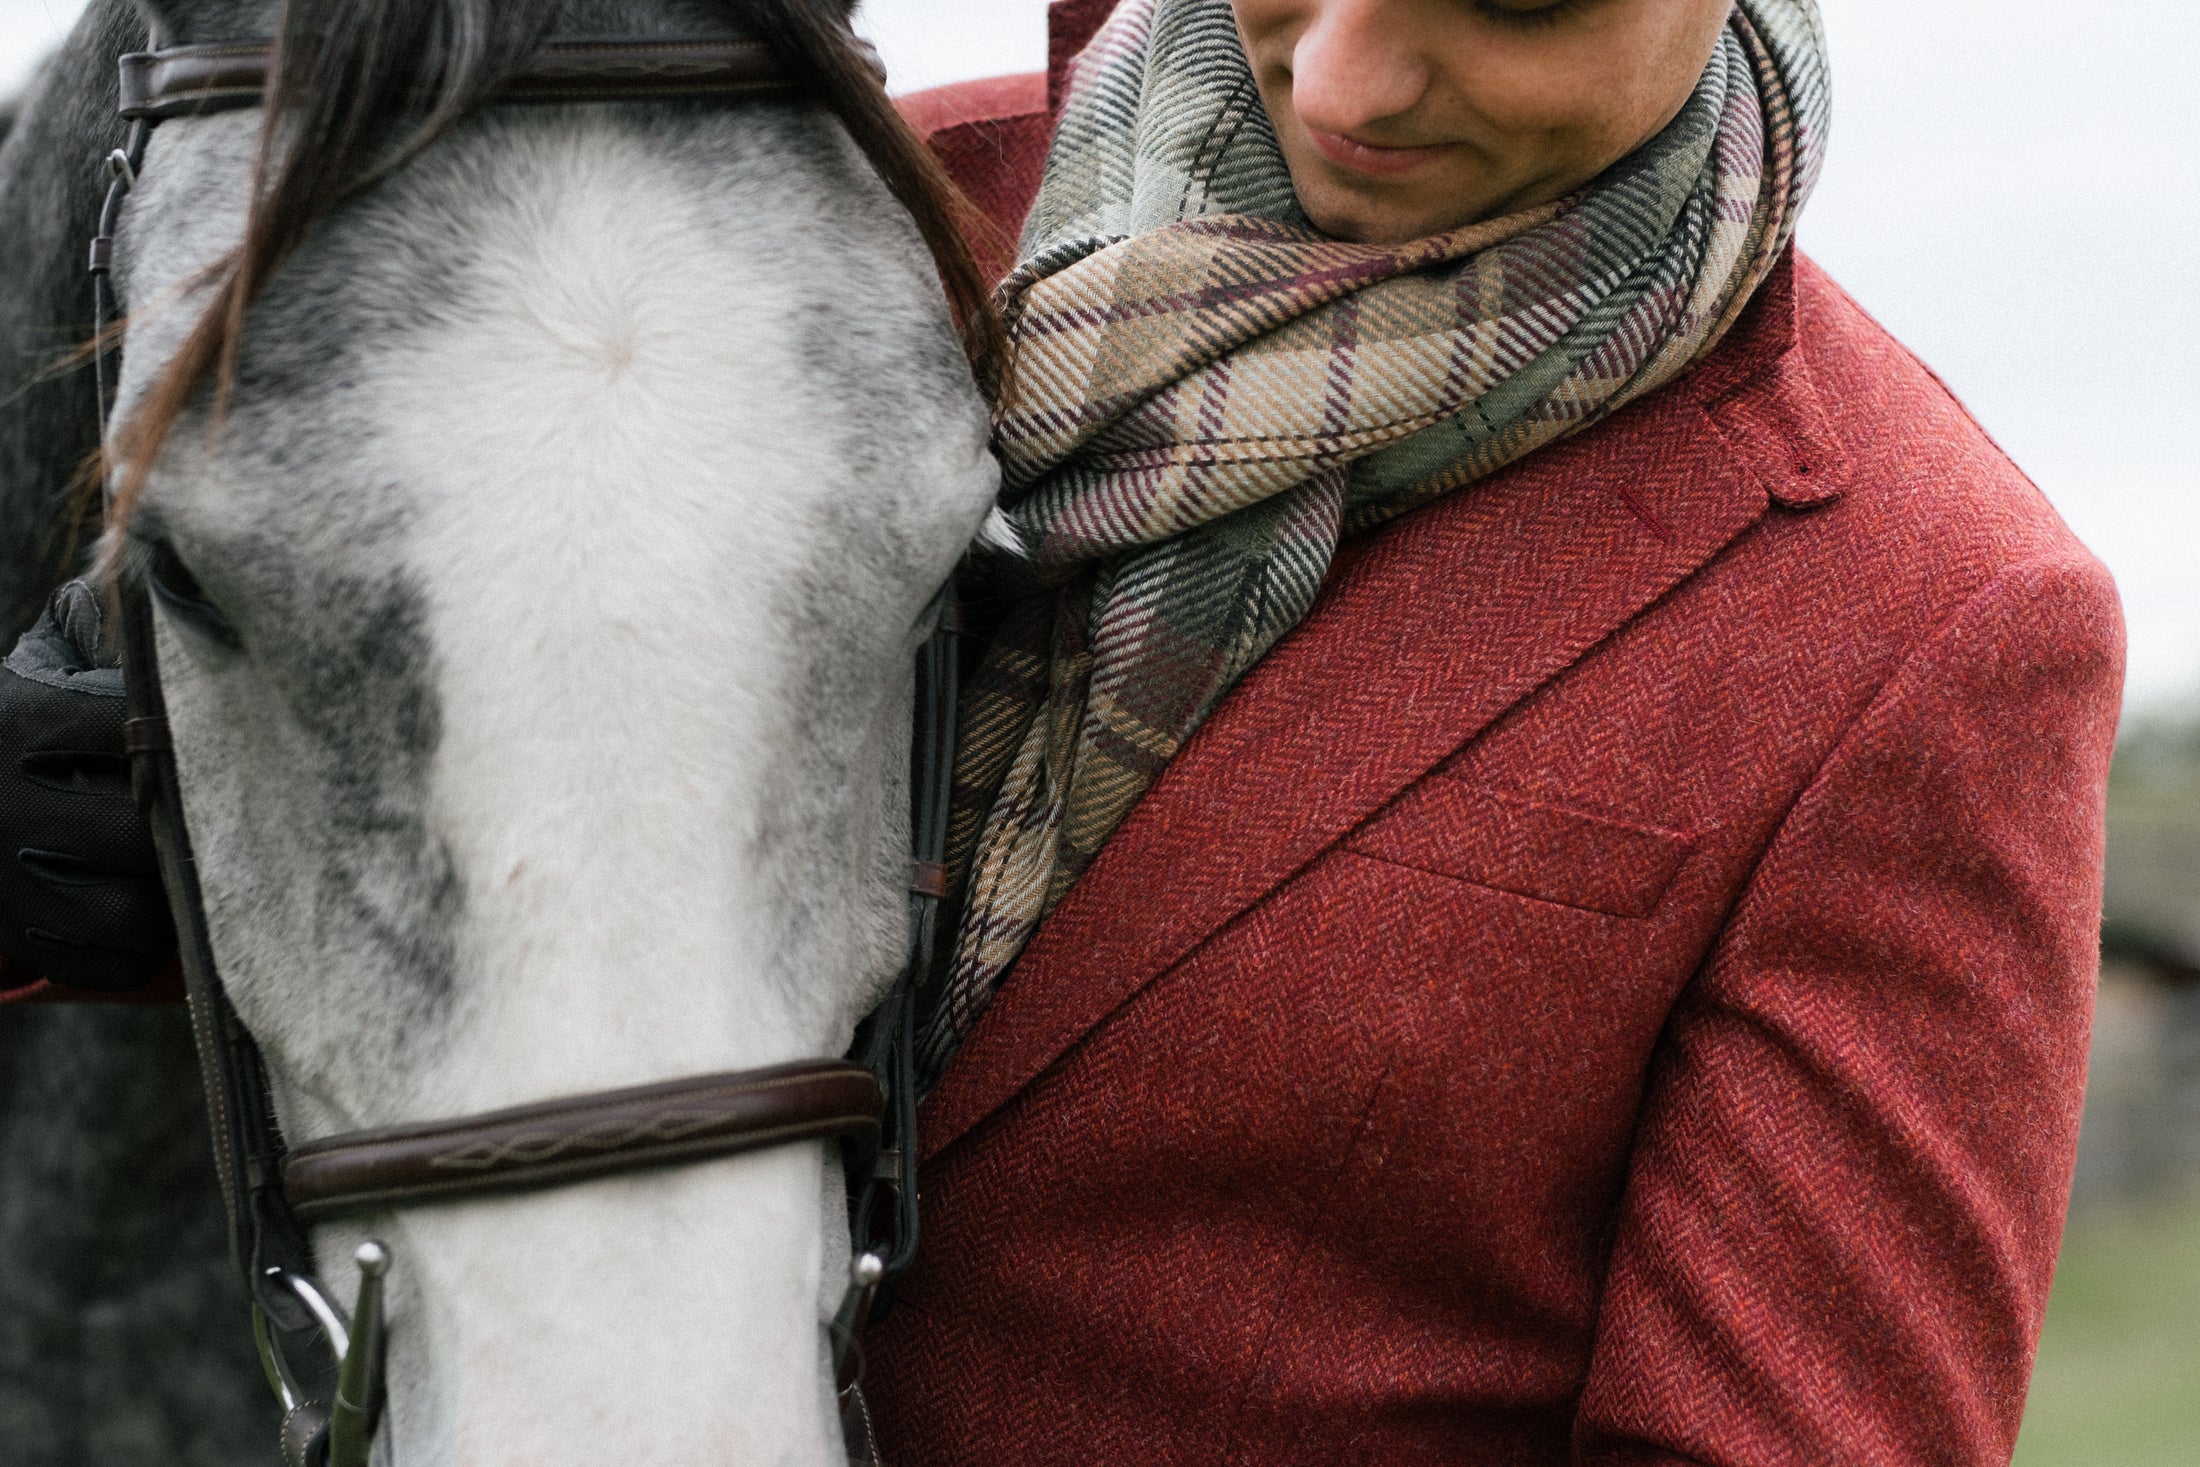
(2013, 188)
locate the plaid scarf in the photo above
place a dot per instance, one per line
(1210, 394)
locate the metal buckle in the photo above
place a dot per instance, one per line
(334, 1327)
(356, 1345)
(855, 1307)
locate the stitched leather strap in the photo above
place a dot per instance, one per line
(184, 81)
(581, 1136)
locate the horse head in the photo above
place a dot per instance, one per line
(540, 537)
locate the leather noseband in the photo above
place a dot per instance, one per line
(578, 1137)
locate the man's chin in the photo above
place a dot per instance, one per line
(1367, 217)
(1369, 226)
(1356, 221)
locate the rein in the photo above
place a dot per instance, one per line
(272, 1192)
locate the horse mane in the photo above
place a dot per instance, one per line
(50, 188)
(357, 90)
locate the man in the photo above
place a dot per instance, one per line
(1611, 984)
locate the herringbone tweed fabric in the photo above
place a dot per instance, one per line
(1210, 394)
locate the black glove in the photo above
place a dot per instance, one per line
(80, 893)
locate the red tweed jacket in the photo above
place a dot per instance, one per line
(1612, 987)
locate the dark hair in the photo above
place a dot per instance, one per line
(359, 87)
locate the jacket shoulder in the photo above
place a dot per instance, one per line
(1914, 461)
(1831, 410)
(993, 99)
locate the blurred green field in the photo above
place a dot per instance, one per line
(2118, 1379)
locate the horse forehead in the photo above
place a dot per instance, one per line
(603, 298)
(548, 392)
(747, 244)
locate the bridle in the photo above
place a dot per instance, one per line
(272, 1192)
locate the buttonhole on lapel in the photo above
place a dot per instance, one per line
(1643, 513)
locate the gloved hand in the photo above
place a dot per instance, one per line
(80, 893)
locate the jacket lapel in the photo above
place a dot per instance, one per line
(1445, 621)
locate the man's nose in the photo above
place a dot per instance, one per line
(1354, 67)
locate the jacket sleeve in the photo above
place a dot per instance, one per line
(1850, 1177)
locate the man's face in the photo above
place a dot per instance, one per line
(1404, 118)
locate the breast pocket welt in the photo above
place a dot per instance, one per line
(1527, 847)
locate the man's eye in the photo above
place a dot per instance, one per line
(180, 592)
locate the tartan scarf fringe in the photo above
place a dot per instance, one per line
(1211, 395)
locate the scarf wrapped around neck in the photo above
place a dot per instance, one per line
(1210, 395)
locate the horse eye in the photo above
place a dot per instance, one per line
(186, 600)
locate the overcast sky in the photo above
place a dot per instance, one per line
(2013, 188)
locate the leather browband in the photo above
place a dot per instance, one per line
(185, 81)
(580, 1136)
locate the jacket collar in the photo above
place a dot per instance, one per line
(1071, 25)
(1537, 565)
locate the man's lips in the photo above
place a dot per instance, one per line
(1371, 158)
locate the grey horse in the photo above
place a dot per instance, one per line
(542, 700)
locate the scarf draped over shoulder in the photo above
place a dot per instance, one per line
(1210, 395)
